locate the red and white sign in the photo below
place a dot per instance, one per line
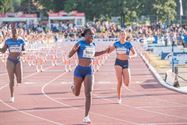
(18, 15)
(63, 13)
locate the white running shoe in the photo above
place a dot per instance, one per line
(37, 70)
(86, 119)
(12, 99)
(119, 101)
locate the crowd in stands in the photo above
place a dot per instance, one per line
(156, 33)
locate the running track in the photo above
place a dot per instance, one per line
(45, 99)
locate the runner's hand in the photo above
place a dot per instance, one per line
(108, 50)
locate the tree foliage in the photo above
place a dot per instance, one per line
(129, 10)
(5, 6)
(165, 9)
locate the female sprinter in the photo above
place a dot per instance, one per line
(84, 71)
(123, 49)
(13, 65)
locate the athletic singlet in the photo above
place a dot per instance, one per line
(123, 48)
(15, 45)
(86, 50)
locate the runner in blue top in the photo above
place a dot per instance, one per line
(185, 39)
(123, 49)
(13, 65)
(84, 70)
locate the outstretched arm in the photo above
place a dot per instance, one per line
(73, 50)
(101, 52)
(107, 50)
(111, 48)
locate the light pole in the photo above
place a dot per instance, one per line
(172, 50)
(181, 11)
(174, 67)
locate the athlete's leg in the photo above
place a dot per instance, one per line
(88, 86)
(18, 72)
(76, 88)
(78, 79)
(119, 72)
(11, 69)
(126, 76)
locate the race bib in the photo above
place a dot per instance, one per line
(15, 48)
(89, 52)
(122, 50)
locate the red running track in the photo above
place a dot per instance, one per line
(45, 99)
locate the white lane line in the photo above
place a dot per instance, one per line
(30, 83)
(4, 86)
(165, 107)
(32, 74)
(3, 74)
(104, 82)
(125, 105)
(138, 82)
(29, 114)
(98, 82)
(60, 98)
(176, 123)
(146, 110)
(73, 108)
(161, 100)
(66, 83)
(50, 98)
(23, 112)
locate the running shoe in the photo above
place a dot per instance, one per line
(119, 101)
(12, 99)
(86, 119)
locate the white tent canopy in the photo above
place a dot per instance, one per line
(18, 17)
(77, 17)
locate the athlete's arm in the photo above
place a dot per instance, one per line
(134, 54)
(73, 50)
(101, 52)
(23, 50)
(108, 50)
(3, 50)
(111, 48)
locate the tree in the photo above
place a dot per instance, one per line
(165, 9)
(16, 4)
(27, 6)
(128, 10)
(70, 5)
(5, 6)
(51, 5)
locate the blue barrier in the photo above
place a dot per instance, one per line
(165, 54)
